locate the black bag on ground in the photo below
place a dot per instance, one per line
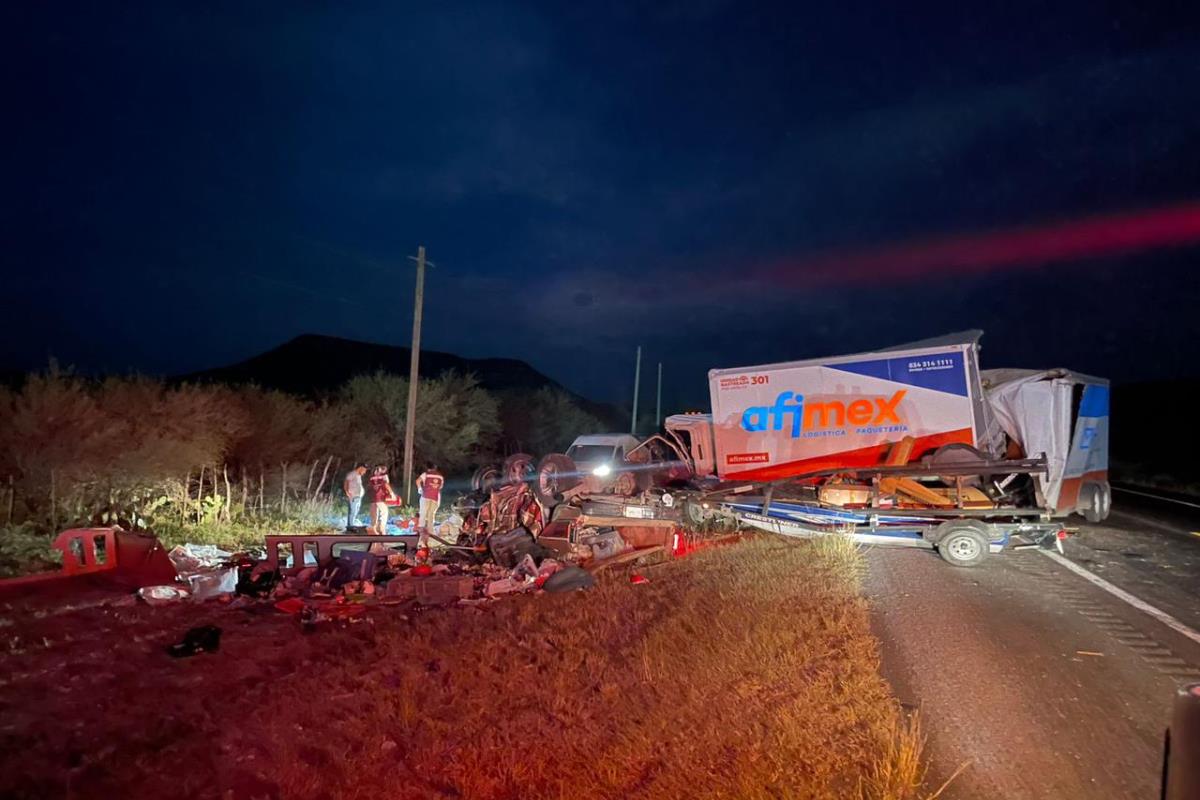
(204, 639)
(568, 579)
(508, 549)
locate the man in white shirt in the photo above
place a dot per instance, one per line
(353, 487)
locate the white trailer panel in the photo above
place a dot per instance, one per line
(778, 420)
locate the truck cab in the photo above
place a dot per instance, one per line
(693, 433)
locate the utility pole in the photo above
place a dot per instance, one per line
(637, 376)
(410, 419)
(658, 403)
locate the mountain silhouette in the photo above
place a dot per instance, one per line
(312, 365)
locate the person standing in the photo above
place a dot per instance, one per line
(429, 486)
(379, 491)
(353, 488)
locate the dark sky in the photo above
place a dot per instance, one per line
(187, 186)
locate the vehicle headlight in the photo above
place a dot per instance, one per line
(602, 471)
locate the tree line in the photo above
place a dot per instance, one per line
(141, 451)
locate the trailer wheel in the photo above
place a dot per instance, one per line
(963, 546)
(1098, 500)
(694, 513)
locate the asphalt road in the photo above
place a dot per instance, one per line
(1033, 680)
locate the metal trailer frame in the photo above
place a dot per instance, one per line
(876, 530)
(1006, 527)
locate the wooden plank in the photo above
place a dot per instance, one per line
(913, 489)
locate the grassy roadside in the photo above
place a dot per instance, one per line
(747, 671)
(744, 671)
(28, 549)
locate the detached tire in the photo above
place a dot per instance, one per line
(963, 546)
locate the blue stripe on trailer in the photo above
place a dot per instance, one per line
(941, 372)
(830, 515)
(854, 516)
(894, 533)
(1094, 402)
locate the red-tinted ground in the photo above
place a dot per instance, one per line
(743, 671)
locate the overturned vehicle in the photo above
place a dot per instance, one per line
(911, 445)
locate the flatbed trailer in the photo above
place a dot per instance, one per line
(962, 537)
(962, 534)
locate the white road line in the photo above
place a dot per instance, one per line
(1156, 497)
(1121, 594)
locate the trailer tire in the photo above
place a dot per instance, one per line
(963, 545)
(693, 512)
(1098, 502)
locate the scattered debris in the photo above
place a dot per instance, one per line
(292, 605)
(568, 579)
(195, 557)
(202, 639)
(218, 582)
(1087, 653)
(430, 589)
(161, 595)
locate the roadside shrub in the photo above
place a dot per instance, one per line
(24, 550)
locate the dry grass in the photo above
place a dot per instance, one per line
(747, 671)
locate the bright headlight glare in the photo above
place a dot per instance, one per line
(602, 471)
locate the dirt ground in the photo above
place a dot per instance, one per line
(744, 671)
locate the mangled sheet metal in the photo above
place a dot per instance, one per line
(1057, 413)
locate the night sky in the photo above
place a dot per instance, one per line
(724, 183)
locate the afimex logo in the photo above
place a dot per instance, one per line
(829, 417)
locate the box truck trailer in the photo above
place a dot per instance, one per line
(908, 445)
(803, 419)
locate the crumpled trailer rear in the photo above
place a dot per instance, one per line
(1063, 416)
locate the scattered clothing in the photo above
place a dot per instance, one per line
(508, 508)
(511, 547)
(213, 583)
(194, 557)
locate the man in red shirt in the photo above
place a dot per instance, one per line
(379, 491)
(429, 486)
